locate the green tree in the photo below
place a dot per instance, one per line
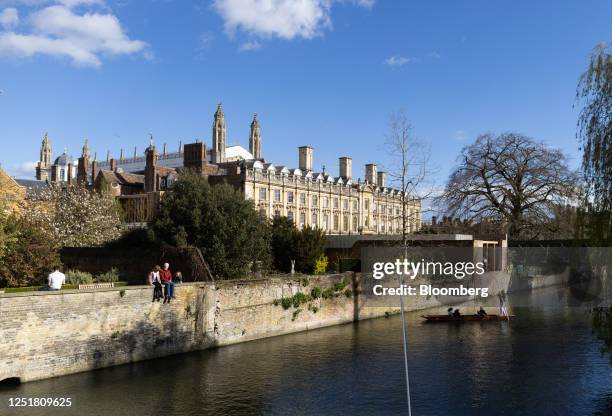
(594, 93)
(27, 254)
(309, 247)
(7, 237)
(284, 236)
(219, 221)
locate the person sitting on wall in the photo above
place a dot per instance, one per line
(166, 278)
(481, 312)
(449, 311)
(155, 281)
(178, 277)
(56, 279)
(457, 314)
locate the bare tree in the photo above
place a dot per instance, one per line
(510, 178)
(409, 170)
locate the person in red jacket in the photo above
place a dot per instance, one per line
(165, 276)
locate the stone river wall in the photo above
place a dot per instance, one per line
(48, 334)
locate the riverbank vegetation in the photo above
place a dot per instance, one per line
(594, 95)
(305, 246)
(312, 299)
(26, 252)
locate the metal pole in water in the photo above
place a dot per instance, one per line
(401, 281)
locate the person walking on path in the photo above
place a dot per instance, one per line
(166, 278)
(155, 281)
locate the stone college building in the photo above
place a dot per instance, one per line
(336, 204)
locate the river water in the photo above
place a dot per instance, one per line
(544, 362)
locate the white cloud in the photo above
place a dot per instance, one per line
(74, 3)
(206, 40)
(23, 170)
(32, 3)
(460, 135)
(365, 3)
(57, 30)
(434, 55)
(251, 45)
(9, 17)
(398, 60)
(285, 19)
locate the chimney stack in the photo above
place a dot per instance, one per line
(305, 156)
(69, 178)
(151, 180)
(194, 156)
(113, 164)
(83, 170)
(382, 179)
(94, 170)
(370, 173)
(346, 167)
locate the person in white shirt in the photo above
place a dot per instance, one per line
(56, 279)
(155, 281)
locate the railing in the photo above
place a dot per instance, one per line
(96, 285)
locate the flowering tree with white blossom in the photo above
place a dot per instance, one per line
(75, 216)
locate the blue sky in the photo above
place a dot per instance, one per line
(322, 72)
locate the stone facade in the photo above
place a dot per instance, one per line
(336, 204)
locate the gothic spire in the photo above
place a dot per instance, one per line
(219, 136)
(44, 163)
(255, 138)
(219, 112)
(86, 151)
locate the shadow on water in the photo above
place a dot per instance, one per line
(603, 406)
(11, 383)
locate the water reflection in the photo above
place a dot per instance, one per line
(543, 362)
